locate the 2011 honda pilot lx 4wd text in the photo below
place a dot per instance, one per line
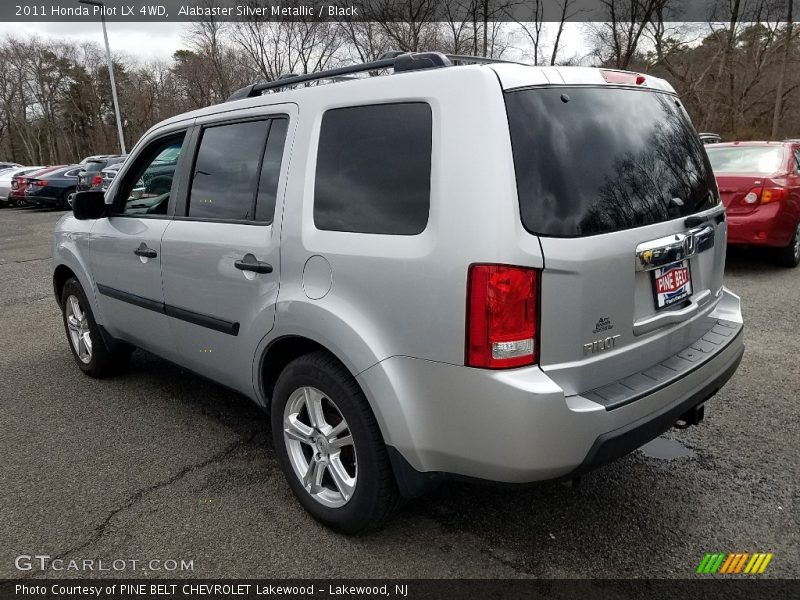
(491, 271)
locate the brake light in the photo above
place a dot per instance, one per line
(97, 180)
(623, 77)
(38, 183)
(502, 316)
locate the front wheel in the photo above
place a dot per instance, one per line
(790, 255)
(87, 345)
(329, 445)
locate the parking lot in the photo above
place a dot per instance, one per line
(160, 464)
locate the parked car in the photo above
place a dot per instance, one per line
(9, 165)
(710, 138)
(5, 182)
(759, 183)
(90, 177)
(53, 187)
(107, 175)
(407, 272)
(20, 182)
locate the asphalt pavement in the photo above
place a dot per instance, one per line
(158, 464)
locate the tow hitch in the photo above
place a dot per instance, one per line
(693, 416)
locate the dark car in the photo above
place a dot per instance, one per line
(90, 177)
(16, 195)
(52, 188)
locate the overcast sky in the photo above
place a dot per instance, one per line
(146, 41)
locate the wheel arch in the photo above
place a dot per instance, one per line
(61, 274)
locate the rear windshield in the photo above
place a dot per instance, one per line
(745, 159)
(595, 160)
(91, 167)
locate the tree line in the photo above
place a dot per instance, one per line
(737, 73)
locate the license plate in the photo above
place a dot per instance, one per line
(672, 284)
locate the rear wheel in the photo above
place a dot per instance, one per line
(87, 345)
(330, 447)
(790, 255)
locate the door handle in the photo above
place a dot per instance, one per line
(145, 252)
(250, 263)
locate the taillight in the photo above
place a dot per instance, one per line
(38, 183)
(502, 316)
(773, 194)
(765, 195)
(97, 180)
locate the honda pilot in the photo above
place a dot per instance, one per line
(423, 268)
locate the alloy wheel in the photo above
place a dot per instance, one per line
(78, 326)
(320, 447)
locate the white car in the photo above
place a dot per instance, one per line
(5, 180)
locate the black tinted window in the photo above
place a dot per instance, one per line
(374, 169)
(226, 171)
(594, 160)
(271, 171)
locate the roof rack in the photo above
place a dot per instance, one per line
(396, 60)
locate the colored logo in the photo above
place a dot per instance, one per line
(736, 563)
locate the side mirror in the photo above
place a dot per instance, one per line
(89, 205)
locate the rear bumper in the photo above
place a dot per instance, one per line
(518, 426)
(768, 225)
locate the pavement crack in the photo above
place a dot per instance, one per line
(99, 531)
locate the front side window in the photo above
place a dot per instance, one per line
(374, 169)
(147, 187)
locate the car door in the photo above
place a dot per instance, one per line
(125, 247)
(220, 254)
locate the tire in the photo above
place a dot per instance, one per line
(319, 380)
(93, 358)
(790, 255)
(65, 199)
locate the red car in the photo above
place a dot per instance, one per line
(759, 183)
(18, 184)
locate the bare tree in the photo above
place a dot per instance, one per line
(787, 43)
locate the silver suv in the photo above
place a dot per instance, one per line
(486, 271)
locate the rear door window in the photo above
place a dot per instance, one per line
(236, 172)
(226, 171)
(595, 160)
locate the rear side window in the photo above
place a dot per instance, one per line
(595, 160)
(374, 169)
